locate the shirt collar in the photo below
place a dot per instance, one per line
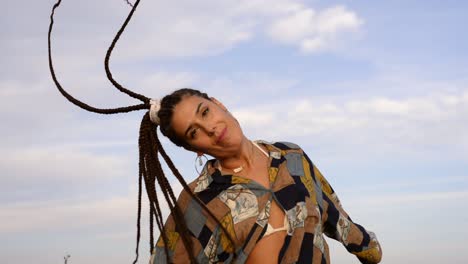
(211, 174)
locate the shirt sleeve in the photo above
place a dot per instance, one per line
(175, 246)
(339, 226)
(209, 243)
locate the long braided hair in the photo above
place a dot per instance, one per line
(150, 169)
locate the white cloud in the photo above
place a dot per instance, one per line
(40, 167)
(294, 27)
(164, 82)
(417, 124)
(395, 199)
(200, 28)
(235, 86)
(314, 31)
(205, 27)
(338, 18)
(113, 212)
(258, 119)
(67, 214)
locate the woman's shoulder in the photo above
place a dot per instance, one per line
(282, 145)
(204, 178)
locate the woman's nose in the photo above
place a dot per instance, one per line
(209, 126)
(211, 130)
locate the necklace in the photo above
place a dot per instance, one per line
(241, 167)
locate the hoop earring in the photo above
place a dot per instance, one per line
(199, 160)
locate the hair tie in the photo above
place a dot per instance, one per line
(155, 106)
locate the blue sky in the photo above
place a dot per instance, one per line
(376, 94)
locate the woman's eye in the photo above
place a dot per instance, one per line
(193, 133)
(205, 111)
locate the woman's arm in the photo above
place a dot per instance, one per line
(339, 226)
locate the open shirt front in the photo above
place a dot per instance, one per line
(243, 207)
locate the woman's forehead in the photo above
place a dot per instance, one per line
(185, 111)
(189, 105)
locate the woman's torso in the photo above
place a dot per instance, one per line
(267, 249)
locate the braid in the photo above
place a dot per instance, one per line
(151, 222)
(71, 98)
(150, 169)
(128, 3)
(196, 198)
(109, 53)
(138, 218)
(149, 176)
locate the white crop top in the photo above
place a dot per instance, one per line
(270, 229)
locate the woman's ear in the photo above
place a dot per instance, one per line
(214, 100)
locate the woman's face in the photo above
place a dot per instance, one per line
(207, 126)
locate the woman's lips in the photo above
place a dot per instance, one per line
(222, 135)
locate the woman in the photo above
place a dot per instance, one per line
(269, 198)
(255, 202)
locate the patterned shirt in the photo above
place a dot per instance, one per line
(243, 208)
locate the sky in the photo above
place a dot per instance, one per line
(376, 93)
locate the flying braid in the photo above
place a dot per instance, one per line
(128, 3)
(150, 169)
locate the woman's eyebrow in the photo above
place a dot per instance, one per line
(196, 113)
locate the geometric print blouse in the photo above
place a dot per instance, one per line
(242, 206)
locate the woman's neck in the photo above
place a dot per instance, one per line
(242, 160)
